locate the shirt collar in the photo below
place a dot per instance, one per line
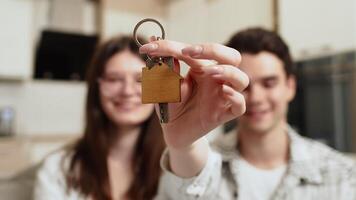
(302, 164)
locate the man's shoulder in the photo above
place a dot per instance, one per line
(306, 154)
(321, 151)
(330, 162)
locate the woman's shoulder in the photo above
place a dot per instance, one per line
(57, 161)
(54, 167)
(51, 177)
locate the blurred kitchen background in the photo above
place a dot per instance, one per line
(45, 46)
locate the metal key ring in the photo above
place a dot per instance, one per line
(143, 21)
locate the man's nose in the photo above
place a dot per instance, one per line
(255, 94)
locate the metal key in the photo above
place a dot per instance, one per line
(163, 112)
(163, 107)
(160, 83)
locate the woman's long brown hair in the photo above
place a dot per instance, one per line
(88, 170)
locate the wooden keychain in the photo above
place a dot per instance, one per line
(160, 84)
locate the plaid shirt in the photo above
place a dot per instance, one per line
(314, 171)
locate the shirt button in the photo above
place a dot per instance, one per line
(303, 181)
(235, 194)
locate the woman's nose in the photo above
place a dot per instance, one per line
(129, 88)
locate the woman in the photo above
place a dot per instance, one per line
(118, 155)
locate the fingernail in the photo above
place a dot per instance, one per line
(153, 38)
(227, 90)
(215, 70)
(193, 51)
(148, 48)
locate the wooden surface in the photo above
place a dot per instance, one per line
(21, 152)
(160, 84)
(14, 156)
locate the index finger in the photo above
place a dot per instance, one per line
(172, 48)
(213, 51)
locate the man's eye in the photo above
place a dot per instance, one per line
(270, 83)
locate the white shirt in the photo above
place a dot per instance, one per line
(314, 171)
(51, 183)
(258, 184)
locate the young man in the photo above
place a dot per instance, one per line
(264, 158)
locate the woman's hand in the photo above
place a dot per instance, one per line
(211, 92)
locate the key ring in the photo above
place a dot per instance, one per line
(143, 21)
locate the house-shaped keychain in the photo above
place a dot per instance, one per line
(160, 84)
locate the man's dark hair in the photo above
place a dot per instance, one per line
(256, 40)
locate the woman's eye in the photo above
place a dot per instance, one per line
(139, 79)
(114, 79)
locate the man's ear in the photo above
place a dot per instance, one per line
(292, 87)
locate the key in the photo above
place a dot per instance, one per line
(163, 107)
(163, 112)
(160, 84)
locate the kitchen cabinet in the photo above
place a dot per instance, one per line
(16, 54)
(318, 27)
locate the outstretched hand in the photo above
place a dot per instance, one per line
(211, 91)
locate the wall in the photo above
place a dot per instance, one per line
(15, 39)
(314, 28)
(216, 20)
(45, 107)
(77, 16)
(121, 16)
(73, 16)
